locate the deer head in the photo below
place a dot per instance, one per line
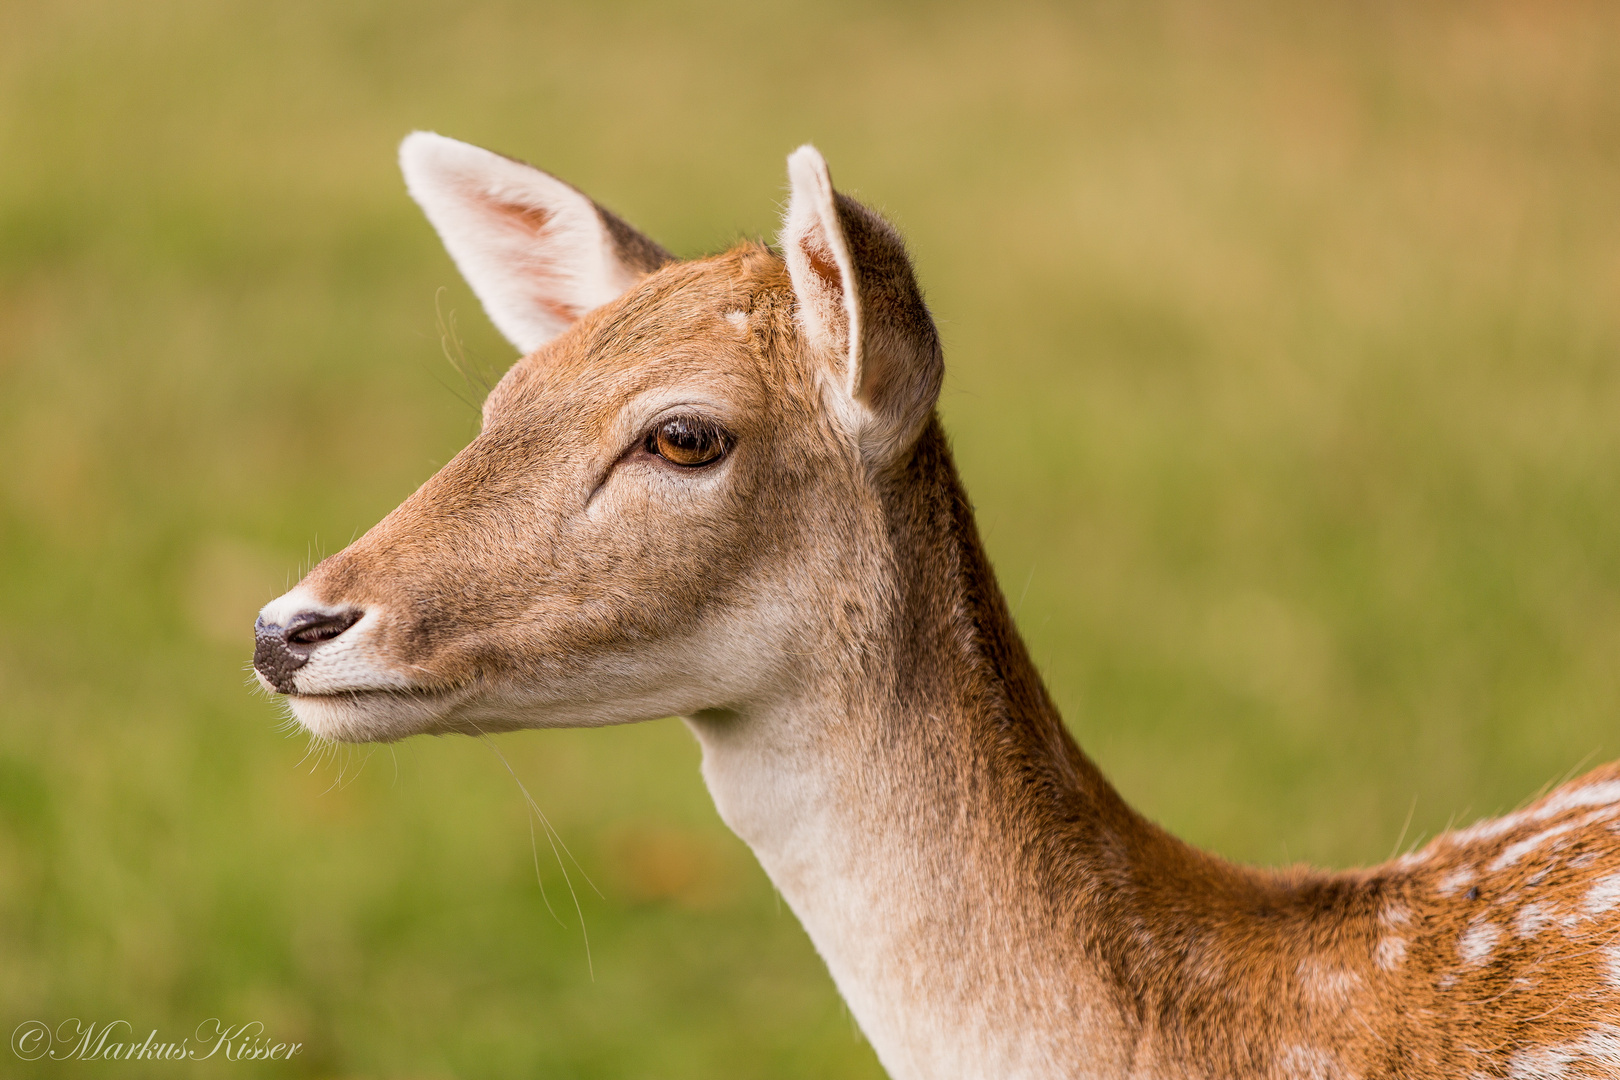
(675, 499)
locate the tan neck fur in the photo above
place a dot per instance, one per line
(989, 905)
(935, 807)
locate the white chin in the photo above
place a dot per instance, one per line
(367, 716)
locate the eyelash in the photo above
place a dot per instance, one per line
(688, 442)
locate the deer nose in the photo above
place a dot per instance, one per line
(280, 650)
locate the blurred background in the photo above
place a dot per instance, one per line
(1282, 345)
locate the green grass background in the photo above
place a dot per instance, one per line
(1282, 345)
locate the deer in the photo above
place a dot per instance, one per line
(719, 489)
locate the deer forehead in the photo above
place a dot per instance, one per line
(691, 330)
(714, 337)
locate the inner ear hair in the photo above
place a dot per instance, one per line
(858, 301)
(537, 252)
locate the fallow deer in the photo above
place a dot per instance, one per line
(719, 489)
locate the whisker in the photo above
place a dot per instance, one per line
(554, 840)
(1407, 825)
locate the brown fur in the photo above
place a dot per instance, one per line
(1079, 936)
(1227, 971)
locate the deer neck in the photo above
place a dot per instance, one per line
(977, 889)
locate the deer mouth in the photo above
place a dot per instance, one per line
(383, 714)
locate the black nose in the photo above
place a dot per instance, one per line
(279, 651)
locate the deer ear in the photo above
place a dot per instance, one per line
(858, 303)
(537, 253)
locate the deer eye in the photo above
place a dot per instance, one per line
(688, 441)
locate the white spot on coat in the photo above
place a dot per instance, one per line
(1478, 942)
(1599, 1047)
(1602, 1047)
(1456, 880)
(1531, 920)
(1309, 1063)
(1486, 830)
(1604, 895)
(1390, 952)
(1611, 957)
(1326, 982)
(1541, 1063)
(1516, 851)
(1599, 794)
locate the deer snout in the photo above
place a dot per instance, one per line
(281, 648)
